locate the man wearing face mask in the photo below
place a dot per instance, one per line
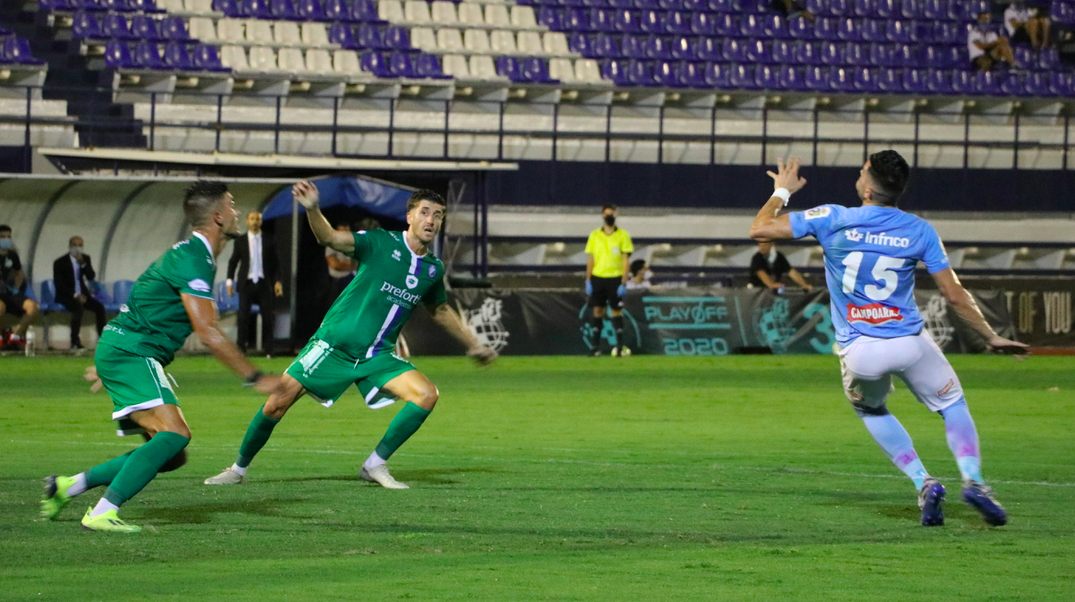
(985, 47)
(610, 251)
(768, 266)
(72, 274)
(12, 298)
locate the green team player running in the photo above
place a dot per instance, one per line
(172, 298)
(356, 340)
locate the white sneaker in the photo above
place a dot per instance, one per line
(379, 475)
(228, 477)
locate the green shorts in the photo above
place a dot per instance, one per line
(326, 373)
(134, 383)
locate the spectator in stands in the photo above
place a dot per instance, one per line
(639, 275)
(985, 46)
(342, 267)
(13, 299)
(768, 266)
(256, 262)
(793, 8)
(72, 274)
(1025, 26)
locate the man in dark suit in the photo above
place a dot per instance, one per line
(255, 259)
(72, 275)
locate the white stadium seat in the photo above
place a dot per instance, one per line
(291, 60)
(416, 11)
(444, 12)
(471, 13)
(230, 30)
(199, 6)
(497, 14)
(203, 28)
(476, 40)
(172, 6)
(587, 70)
(345, 62)
(482, 67)
(449, 39)
(263, 58)
(259, 30)
(318, 60)
(234, 57)
(423, 38)
(523, 16)
(314, 33)
(456, 66)
(503, 41)
(287, 32)
(530, 42)
(390, 10)
(555, 42)
(562, 69)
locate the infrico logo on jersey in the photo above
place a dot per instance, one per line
(402, 294)
(878, 239)
(874, 313)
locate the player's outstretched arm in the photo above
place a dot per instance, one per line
(444, 315)
(203, 317)
(967, 309)
(307, 196)
(769, 224)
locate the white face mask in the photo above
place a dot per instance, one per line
(76, 251)
(5, 243)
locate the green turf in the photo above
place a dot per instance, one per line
(647, 478)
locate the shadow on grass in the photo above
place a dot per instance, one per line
(199, 514)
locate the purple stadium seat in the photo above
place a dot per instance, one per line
(865, 79)
(776, 27)
(889, 81)
(147, 56)
(960, 11)
(701, 24)
(397, 38)
(885, 9)
(682, 49)
(656, 47)
(678, 23)
(613, 70)
(1048, 59)
(800, 29)
(1063, 12)
(829, 8)
(725, 24)
(1037, 84)
(255, 9)
(374, 62)
(92, 5)
(119, 6)
(781, 52)
(934, 58)
(694, 5)
(115, 26)
(283, 9)
(310, 10)
(17, 50)
(366, 12)
(580, 43)
(666, 74)
(767, 77)
(622, 4)
(899, 32)
(692, 75)
(816, 78)
(806, 53)
(716, 75)
(841, 79)
(864, 8)
(370, 37)
(174, 29)
(938, 81)
(118, 56)
(910, 9)
(601, 19)
(577, 19)
(757, 51)
(400, 65)
(719, 6)
(849, 30)
(985, 83)
(652, 22)
(670, 4)
(914, 81)
(177, 58)
(791, 78)
(963, 82)
(632, 47)
(342, 34)
(882, 55)
(1062, 83)
(604, 45)
(145, 28)
(826, 29)
(639, 73)
(57, 5)
(647, 5)
(551, 18)
(832, 54)
(428, 66)
(934, 10)
(874, 30)
(856, 54)
(230, 8)
(85, 26)
(1009, 84)
(740, 76)
(752, 26)
(206, 57)
(732, 50)
(1024, 56)
(627, 21)
(950, 33)
(709, 49)
(338, 11)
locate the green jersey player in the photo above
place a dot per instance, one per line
(173, 298)
(356, 341)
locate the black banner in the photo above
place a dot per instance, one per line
(686, 321)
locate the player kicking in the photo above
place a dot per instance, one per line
(172, 298)
(870, 257)
(356, 340)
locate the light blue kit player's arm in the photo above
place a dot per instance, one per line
(960, 299)
(769, 224)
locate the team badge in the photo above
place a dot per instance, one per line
(817, 212)
(432, 271)
(412, 281)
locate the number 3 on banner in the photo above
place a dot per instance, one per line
(882, 272)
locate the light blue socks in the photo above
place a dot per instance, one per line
(963, 440)
(897, 445)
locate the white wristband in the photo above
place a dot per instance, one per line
(784, 194)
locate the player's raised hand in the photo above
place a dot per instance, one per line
(91, 377)
(787, 175)
(483, 354)
(306, 194)
(1002, 345)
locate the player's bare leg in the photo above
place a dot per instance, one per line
(420, 396)
(260, 429)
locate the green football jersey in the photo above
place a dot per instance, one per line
(153, 323)
(366, 318)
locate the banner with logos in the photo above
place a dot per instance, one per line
(685, 321)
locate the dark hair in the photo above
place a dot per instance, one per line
(425, 195)
(890, 173)
(636, 266)
(201, 200)
(5, 228)
(608, 206)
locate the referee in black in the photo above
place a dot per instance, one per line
(609, 249)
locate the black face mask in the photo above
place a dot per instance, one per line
(610, 220)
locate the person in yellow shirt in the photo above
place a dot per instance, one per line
(610, 251)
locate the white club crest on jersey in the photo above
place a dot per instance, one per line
(412, 281)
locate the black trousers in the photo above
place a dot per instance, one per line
(260, 294)
(77, 308)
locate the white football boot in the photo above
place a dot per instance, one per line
(379, 475)
(228, 477)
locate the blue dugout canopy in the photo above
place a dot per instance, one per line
(376, 197)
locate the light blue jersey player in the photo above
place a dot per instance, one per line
(871, 253)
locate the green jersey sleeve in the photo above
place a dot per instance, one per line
(364, 243)
(436, 295)
(191, 273)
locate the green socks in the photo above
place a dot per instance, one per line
(103, 474)
(405, 424)
(142, 465)
(257, 435)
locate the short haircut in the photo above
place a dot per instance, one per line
(608, 206)
(72, 239)
(890, 173)
(637, 265)
(5, 228)
(424, 194)
(202, 199)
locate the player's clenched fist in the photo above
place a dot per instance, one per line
(306, 194)
(483, 354)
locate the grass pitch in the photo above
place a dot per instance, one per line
(647, 478)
